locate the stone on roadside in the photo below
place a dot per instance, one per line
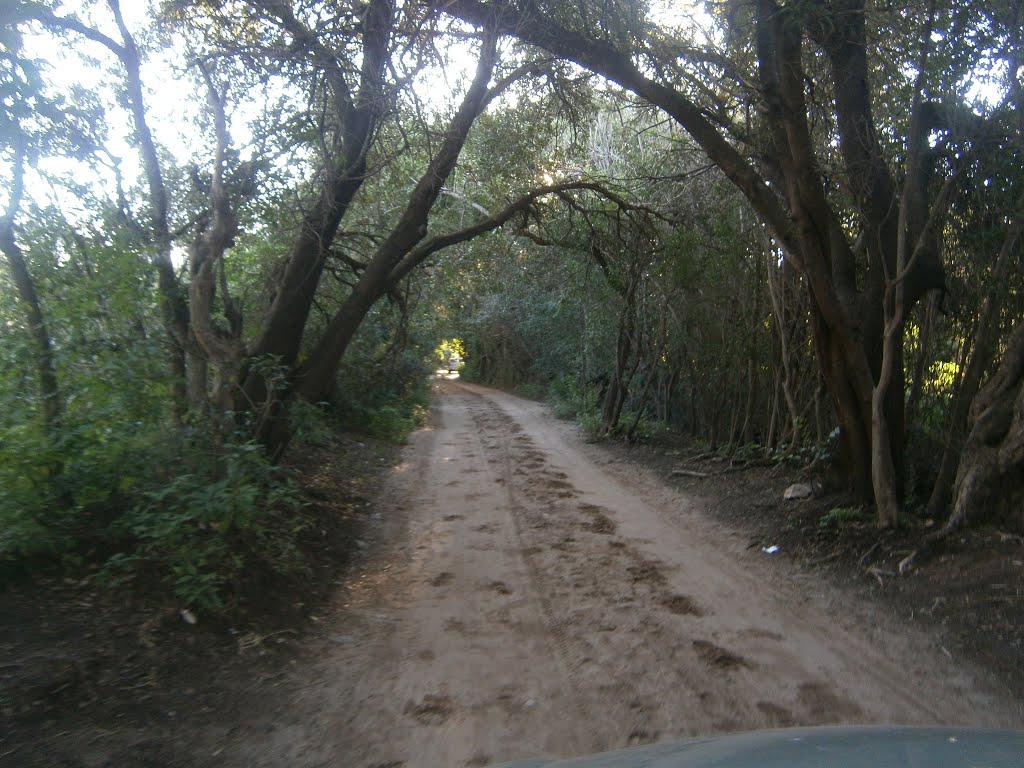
(797, 491)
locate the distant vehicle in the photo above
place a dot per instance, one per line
(828, 747)
(453, 363)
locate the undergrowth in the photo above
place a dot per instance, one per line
(200, 531)
(166, 511)
(386, 399)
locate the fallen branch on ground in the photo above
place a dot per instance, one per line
(687, 473)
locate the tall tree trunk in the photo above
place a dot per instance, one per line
(994, 450)
(173, 306)
(982, 350)
(221, 349)
(315, 378)
(46, 371)
(849, 405)
(281, 337)
(625, 346)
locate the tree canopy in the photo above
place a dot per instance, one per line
(786, 227)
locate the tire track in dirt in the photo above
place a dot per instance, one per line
(626, 585)
(507, 445)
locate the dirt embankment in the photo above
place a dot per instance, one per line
(525, 594)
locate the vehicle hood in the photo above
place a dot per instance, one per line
(826, 747)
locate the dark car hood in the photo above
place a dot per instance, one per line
(828, 747)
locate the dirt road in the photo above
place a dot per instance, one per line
(530, 596)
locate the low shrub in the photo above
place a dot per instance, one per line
(198, 531)
(840, 517)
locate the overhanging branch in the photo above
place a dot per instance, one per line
(522, 204)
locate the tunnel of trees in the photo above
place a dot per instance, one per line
(790, 229)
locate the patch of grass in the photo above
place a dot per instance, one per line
(840, 517)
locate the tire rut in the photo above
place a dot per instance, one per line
(586, 604)
(489, 419)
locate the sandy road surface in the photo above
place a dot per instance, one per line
(537, 598)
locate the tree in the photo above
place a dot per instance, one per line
(35, 321)
(843, 237)
(127, 53)
(790, 190)
(33, 123)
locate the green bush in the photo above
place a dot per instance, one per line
(313, 423)
(647, 429)
(572, 400)
(60, 497)
(26, 466)
(803, 455)
(591, 423)
(62, 485)
(385, 399)
(393, 423)
(199, 532)
(840, 517)
(532, 391)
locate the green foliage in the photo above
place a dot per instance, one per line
(571, 400)
(200, 530)
(646, 429)
(61, 487)
(747, 451)
(532, 390)
(113, 483)
(450, 354)
(312, 423)
(840, 517)
(802, 455)
(388, 422)
(23, 537)
(383, 388)
(591, 424)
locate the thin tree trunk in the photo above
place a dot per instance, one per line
(774, 413)
(749, 410)
(819, 420)
(173, 306)
(776, 295)
(618, 387)
(631, 431)
(198, 383)
(930, 310)
(46, 371)
(895, 306)
(222, 348)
